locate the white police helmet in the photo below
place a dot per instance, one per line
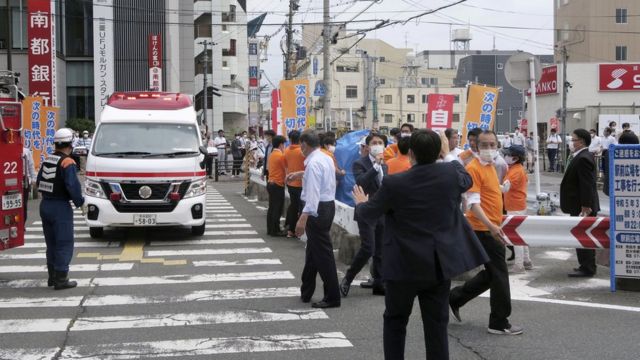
(62, 136)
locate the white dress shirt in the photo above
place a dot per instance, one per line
(518, 139)
(378, 168)
(605, 141)
(318, 183)
(596, 145)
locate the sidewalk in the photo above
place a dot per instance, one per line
(550, 183)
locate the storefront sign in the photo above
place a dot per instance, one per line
(548, 83)
(42, 51)
(103, 66)
(155, 62)
(619, 77)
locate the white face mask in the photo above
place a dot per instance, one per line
(510, 160)
(405, 135)
(488, 155)
(376, 150)
(332, 148)
(571, 147)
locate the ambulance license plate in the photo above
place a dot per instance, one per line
(144, 219)
(13, 201)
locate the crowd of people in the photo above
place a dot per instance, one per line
(426, 211)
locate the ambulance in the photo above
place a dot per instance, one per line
(145, 166)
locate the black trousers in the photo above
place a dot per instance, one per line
(276, 204)
(587, 257)
(494, 277)
(294, 209)
(553, 155)
(319, 255)
(434, 307)
(370, 245)
(208, 162)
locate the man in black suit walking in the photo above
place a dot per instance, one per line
(369, 171)
(579, 194)
(427, 241)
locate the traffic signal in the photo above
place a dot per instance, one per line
(212, 90)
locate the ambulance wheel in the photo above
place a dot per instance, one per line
(198, 230)
(96, 232)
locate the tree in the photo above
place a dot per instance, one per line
(81, 125)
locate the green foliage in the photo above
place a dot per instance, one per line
(81, 125)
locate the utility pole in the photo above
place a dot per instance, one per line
(288, 57)
(205, 94)
(9, 40)
(565, 91)
(326, 52)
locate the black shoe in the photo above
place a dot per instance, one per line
(305, 299)
(325, 304)
(455, 311)
(367, 284)
(378, 290)
(62, 282)
(345, 286)
(580, 274)
(50, 281)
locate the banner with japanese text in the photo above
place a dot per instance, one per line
(103, 55)
(155, 62)
(481, 110)
(440, 111)
(294, 95)
(276, 112)
(42, 50)
(40, 123)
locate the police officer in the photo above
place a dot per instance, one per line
(58, 183)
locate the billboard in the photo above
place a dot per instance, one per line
(440, 111)
(103, 56)
(42, 51)
(294, 97)
(619, 77)
(548, 84)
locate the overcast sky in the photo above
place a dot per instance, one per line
(485, 17)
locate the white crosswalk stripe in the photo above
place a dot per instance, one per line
(248, 274)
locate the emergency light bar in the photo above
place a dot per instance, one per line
(149, 101)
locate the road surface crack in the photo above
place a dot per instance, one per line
(468, 347)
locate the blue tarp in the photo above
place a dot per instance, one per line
(346, 153)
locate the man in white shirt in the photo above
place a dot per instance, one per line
(454, 141)
(596, 145)
(220, 143)
(553, 144)
(518, 138)
(507, 141)
(318, 195)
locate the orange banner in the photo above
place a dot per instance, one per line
(294, 95)
(481, 110)
(40, 123)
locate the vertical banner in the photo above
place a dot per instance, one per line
(294, 96)
(481, 110)
(40, 123)
(103, 66)
(42, 51)
(440, 111)
(155, 62)
(275, 112)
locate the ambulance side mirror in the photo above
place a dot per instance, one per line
(203, 150)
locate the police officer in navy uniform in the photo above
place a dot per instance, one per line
(58, 184)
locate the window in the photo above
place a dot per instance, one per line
(621, 16)
(424, 98)
(500, 66)
(253, 49)
(424, 118)
(388, 118)
(499, 112)
(382, 81)
(388, 99)
(621, 53)
(225, 29)
(352, 92)
(429, 81)
(456, 118)
(225, 64)
(411, 99)
(18, 36)
(456, 99)
(411, 118)
(520, 113)
(383, 59)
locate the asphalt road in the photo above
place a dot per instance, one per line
(233, 294)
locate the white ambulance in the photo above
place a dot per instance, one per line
(146, 164)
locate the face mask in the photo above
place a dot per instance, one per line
(376, 150)
(237, 137)
(405, 135)
(332, 148)
(487, 155)
(510, 160)
(571, 147)
(85, 136)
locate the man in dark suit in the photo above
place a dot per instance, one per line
(579, 195)
(369, 171)
(427, 241)
(268, 137)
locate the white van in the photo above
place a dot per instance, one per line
(146, 164)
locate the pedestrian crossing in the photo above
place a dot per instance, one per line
(233, 296)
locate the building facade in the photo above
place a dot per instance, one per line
(597, 31)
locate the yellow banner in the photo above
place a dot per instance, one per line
(482, 102)
(40, 123)
(294, 95)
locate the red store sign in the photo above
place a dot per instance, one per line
(155, 62)
(42, 54)
(548, 83)
(440, 111)
(619, 77)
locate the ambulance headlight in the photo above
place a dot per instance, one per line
(197, 188)
(94, 189)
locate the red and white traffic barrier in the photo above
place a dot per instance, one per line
(557, 231)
